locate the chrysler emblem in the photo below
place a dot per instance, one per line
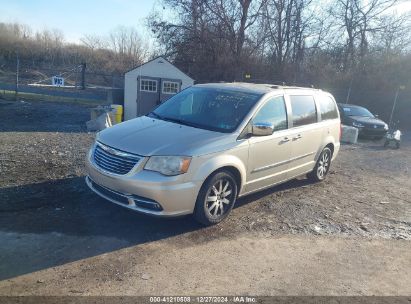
(108, 149)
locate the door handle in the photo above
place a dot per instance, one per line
(285, 139)
(297, 137)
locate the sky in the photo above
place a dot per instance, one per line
(76, 18)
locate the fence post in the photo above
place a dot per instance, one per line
(17, 75)
(83, 76)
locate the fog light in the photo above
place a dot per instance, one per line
(157, 206)
(147, 204)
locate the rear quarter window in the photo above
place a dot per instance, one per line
(328, 108)
(303, 109)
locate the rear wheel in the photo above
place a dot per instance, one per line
(216, 198)
(322, 166)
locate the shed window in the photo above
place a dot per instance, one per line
(148, 85)
(170, 87)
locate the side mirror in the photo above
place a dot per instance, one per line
(262, 128)
(376, 115)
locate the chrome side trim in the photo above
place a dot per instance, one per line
(281, 163)
(272, 185)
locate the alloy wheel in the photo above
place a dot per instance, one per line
(218, 198)
(323, 165)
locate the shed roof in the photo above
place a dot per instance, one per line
(158, 57)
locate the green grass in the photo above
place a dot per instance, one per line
(11, 95)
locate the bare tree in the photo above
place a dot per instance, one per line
(291, 29)
(127, 44)
(93, 42)
(215, 28)
(359, 20)
(395, 34)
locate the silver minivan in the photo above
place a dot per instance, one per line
(208, 145)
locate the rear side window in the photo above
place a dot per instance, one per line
(328, 108)
(273, 111)
(304, 110)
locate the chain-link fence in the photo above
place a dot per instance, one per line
(73, 82)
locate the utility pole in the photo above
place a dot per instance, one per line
(17, 74)
(395, 103)
(349, 91)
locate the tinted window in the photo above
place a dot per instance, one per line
(327, 108)
(356, 111)
(304, 111)
(274, 112)
(214, 109)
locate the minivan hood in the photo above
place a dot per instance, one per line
(149, 136)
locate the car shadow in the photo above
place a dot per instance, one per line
(64, 216)
(378, 145)
(48, 224)
(294, 183)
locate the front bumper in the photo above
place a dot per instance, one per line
(174, 194)
(371, 132)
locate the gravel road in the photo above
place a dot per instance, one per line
(347, 236)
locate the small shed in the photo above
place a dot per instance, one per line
(150, 84)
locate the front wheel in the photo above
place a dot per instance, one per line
(322, 166)
(216, 198)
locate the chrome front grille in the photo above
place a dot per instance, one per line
(113, 160)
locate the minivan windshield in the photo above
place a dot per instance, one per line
(214, 109)
(357, 111)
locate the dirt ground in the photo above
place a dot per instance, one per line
(349, 235)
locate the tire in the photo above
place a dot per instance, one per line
(216, 198)
(322, 166)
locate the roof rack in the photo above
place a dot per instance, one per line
(298, 87)
(275, 86)
(282, 84)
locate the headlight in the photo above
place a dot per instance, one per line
(358, 125)
(168, 165)
(385, 127)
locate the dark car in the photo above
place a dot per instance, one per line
(368, 125)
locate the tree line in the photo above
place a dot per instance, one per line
(360, 50)
(284, 40)
(117, 52)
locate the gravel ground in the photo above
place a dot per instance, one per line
(53, 227)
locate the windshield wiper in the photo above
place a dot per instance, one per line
(151, 114)
(178, 121)
(183, 122)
